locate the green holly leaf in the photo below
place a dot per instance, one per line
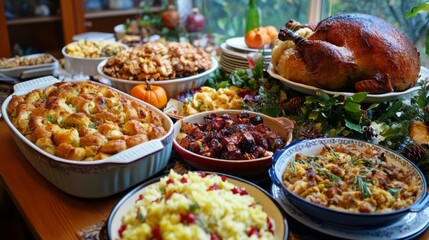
(358, 97)
(353, 126)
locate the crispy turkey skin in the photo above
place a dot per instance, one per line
(353, 52)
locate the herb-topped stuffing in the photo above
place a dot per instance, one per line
(351, 178)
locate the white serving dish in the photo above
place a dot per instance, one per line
(172, 87)
(270, 206)
(99, 178)
(81, 65)
(371, 98)
(26, 72)
(95, 36)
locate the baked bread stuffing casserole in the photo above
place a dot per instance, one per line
(83, 120)
(158, 61)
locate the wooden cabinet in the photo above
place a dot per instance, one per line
(43, 34)
(50, 34)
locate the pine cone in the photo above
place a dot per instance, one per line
(294, 104)
(415, 152)
(309, 132)
(369, 133)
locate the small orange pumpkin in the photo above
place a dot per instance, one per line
(154, 95)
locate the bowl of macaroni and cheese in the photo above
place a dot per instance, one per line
(174, 66)
(349, 182)
(231, 141)
(83, 56)
(86, 138)
(197, 205)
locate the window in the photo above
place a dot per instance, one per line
(226, 18)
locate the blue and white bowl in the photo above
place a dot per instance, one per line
(313, 147)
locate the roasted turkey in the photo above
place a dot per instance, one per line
(353, 52)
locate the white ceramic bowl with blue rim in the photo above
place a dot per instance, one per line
(313, 147)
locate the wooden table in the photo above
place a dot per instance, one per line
(53, 214)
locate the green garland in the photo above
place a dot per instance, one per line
(385, 123)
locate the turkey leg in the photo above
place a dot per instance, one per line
(327, 65)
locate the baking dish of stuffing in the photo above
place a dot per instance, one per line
(176, 67)
(236, 142)
(87, 139)
(348, 182)
(29, 66)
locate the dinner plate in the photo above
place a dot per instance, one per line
(237, 54)
(411, 225)
(234, 64)
(239, 44)
(270, 206)
(371, 98)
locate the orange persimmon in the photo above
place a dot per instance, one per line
(154, 95)
(259, 37)
(272, 32)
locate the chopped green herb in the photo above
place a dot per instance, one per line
(325, 172)
(362, 185)
(51, 118)
(332, 152)
(293, 165)
(194, 207)
(394, 191)
(141, 217)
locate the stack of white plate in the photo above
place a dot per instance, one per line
(234, 54)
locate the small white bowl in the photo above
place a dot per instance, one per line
(120, 31)
(172, 87)
(82, 65)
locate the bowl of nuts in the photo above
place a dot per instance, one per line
(83, 56)
(231, 141)
(174, 66)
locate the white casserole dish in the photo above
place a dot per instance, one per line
(99, 178)
(172, 87)
(32, 71)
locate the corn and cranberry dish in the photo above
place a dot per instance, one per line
(196, 205)
(352, 179)
(83, 120)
